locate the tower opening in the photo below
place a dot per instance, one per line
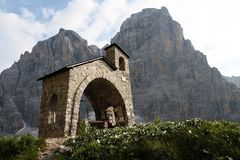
(121, 64)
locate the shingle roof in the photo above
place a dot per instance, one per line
(79, 64)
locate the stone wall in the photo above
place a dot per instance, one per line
(103, 85)
(81, 76)
(56, 85)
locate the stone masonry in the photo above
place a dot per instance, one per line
(105, 81)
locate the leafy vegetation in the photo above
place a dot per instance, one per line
(194, 139)
(20, 148)
(189, 140)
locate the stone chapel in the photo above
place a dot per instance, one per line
(105, 81)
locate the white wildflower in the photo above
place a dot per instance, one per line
(98, 141)
(136, 138)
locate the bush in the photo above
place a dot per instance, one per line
(20, 148)
(194, 139)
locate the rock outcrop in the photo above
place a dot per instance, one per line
(170, 79)
(235, 80)
(20, 92)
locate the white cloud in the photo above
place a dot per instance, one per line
(17, 35)
(25, 13)
(47, 12)
(76, 15)
(107, 17)
(212, 26)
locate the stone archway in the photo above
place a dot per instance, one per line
(104, 80)
(102, 92)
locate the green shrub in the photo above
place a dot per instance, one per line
(194, 139)
(20, 148)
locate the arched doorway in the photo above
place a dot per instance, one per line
(106, 102)
(104, 81)
(87, 113)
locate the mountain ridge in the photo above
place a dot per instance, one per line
(20, 92)
(234, 79)
(170, 79)
(184, 85)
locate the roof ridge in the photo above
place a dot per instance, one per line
(115, 44)
(79, 64)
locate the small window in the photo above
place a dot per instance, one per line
(52, 109)
(121, 64)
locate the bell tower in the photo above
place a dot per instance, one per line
(117, 57)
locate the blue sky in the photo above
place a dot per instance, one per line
(32, 5)
(16, 6)
(212, 26)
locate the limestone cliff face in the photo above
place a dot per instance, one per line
(170, 79)
(20, 92)
(235, 80)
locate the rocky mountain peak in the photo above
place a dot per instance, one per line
(20, 92)
(170, 79)
(148, 26)
(71, 34)
(162, 13)
(154, 13)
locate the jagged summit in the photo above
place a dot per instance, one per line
(151, 25)
(163, 12)
(19, 91)
(72, 34)
(170, 78)
(160, 13)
